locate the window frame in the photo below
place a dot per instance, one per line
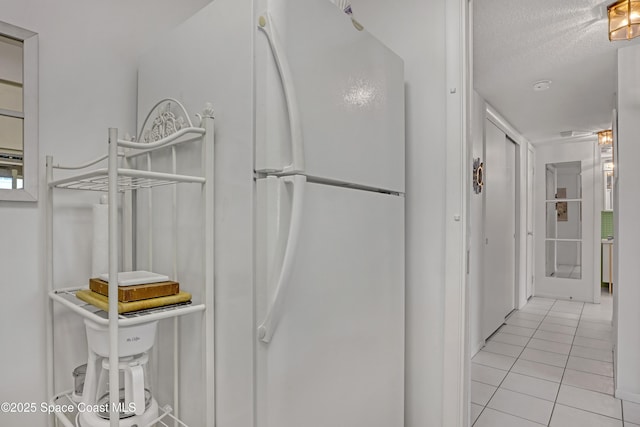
(29, 192)
(555, 239)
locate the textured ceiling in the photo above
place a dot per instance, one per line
(518, 42)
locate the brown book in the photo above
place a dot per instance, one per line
(136, 292)
(102, 302)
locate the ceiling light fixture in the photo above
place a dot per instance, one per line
(605, 137)
(542, 85)
(624, 20)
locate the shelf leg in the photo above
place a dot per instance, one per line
(610, 267)
(114, 385)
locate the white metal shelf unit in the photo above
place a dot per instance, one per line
(166, 132)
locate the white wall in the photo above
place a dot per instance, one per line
(414, 29)
(627, 232)
(88, 54)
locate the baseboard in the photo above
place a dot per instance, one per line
(627, 395)
(559, 297)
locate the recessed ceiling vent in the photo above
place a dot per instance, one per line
(574, 133)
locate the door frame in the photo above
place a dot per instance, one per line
(530, 224)
(586, 288)
(517, 227)
(456, 368)
(598, 207)
(459, 83)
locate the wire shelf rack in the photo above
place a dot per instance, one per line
(67, 411)
(67, 297)
(128, 179)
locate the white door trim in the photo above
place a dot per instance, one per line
(456, 377)
(530, 207)
(598, 206)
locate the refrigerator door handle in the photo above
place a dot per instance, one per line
(274, 311)
(297, 150)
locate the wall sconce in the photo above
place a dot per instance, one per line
(478, 175)
(624, 20)
(605, 137)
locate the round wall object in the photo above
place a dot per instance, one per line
(478, 175)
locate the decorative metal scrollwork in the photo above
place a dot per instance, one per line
(165, 124)
(478, 175)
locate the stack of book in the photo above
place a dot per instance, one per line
(137, 290)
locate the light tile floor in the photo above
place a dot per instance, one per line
(551, 364)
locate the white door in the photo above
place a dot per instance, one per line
(530, 246)
(329, 98)
(499, 272)
(565, 211)
(335, 356)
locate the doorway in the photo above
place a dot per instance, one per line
(565, 212)
(500, 226)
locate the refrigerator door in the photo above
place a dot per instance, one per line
(333, 352)
(329, 98)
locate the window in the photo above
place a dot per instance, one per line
(18, 113)
(11, 112)
(563, 238)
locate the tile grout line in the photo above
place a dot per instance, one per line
(555, 402)
(574, 335)
(508, 372)
(529, 341)
(499, 384)
(590, 390)
(548, 314)
(541, 330)
(511, 415)
(545, 318)
(533, 348)
(548, 351)
(518, 373)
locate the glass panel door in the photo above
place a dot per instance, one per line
(563, 206)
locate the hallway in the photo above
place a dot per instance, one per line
(551, 364)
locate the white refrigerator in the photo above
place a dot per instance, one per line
(309, 249)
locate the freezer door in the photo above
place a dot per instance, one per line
(329, 98)
(334, 355)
